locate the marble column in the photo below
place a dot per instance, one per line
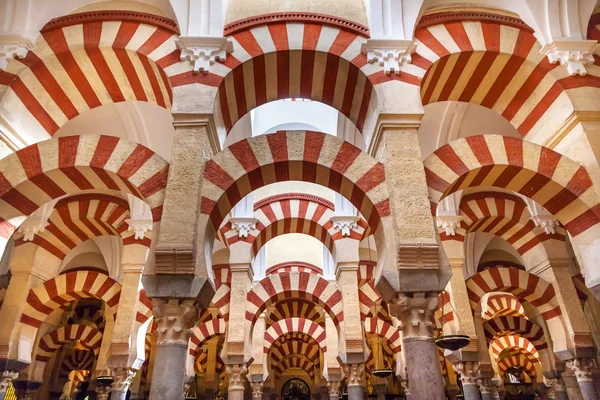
(495, 392)
(334, 389)
(236, 373)
(257, 390)
(354, 380)
(102, 392)
(175, 319)
(121, 383)
(582, 368)
(469, 378)
(415, 311)
(380, 387)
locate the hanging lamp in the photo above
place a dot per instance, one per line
(451, 342)
(104, 380)
(384, 371)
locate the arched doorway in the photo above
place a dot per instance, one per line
(295, 389)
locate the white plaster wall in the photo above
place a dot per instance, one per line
(294, 247)
(294, 187)
(272, 116)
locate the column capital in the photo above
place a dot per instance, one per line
(411, 121)
(122, 378)
(236, 373)
(582, 368)
(175, 319)
(203, 51)
(414, 312)
(354, 374)
(485, 385)
(257, 388)
(572, 54)
(102, 392)
(389, 53)
(334, 387)
(469, 372)
(5, 378)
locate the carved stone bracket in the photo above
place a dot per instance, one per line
(334, 387)
(32, 226)
(582, 368)
(389, 53)
(174, 260)
(345, 223)
(243, 225)
(203, 51)
(175, 319)
(548, 222)
(573, 54)
(448, 223)
(122, 379)
(139, 226)
(11, 47)
(236, 373)
(415, 313)
(354, 374)
(469, 371)
(420, 256)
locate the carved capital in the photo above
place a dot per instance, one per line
(334, 387)
(415, 313)
(203, 51)
(122, 378)
(582, 368)
(389, 54)
(449, 223)
(354, 374)
(32, 226)
(345, 223)
(469, 371)
(485, 385)
(243, 225)
(546, 221)
(102, 392)
(5, 378)
(175, 319)
(236, 373)
(139, 226)
(257, 389)
(174, 260)
(8, 51)
(572, 54)
(418, 256)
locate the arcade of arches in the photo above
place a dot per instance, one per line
(299, 200)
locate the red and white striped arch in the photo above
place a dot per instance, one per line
(504, 215)
(503, 304)
(499, 264)
(493, 61)
(385, 330)
(204, 332)
(298, 266)
(582, 291)
(67, 165)
(366, 271)
(222, 274)
(87, 337)
(524, 285)
(81, 217)
(295, 324)
(515, 342)
(297, 343)
(556, 182)
(520, 361)
(89, 61)
(303, 285)
(144, 307)
(296, 155)
(306, 60)
(201, 364)
(59, 292)
(511, 325)
(294, 361)
(593, 29)
(299, 308)
(368, 297)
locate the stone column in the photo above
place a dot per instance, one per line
(468, 376)
(495, 392)
(582, 368)
(257, 390)
(241, 280)
(415, 312)
(380, 387)
(485, 388)
(102, 392)
(557, 389)
(122, 380)
(237, 373)
(354, 380)
(175, 319)
(334, 389)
